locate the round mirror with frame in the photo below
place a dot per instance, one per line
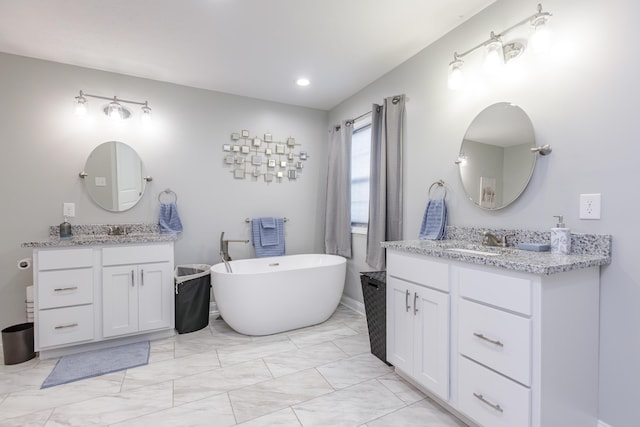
(496, 161)
(114, 176)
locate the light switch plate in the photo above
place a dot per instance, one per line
(69, 209)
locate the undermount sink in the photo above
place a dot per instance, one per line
(473, 251)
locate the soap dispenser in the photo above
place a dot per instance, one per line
(560, 238)
(65, 229)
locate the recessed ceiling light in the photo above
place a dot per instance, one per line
(303, 82)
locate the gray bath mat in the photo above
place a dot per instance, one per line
(97, 362)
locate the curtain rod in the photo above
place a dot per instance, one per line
(349, 122)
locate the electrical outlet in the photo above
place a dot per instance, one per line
(69, 209)
(590, 206)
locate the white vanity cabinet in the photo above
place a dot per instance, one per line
(137, 289)
(418, 320)
(86, 295)
(522, 348)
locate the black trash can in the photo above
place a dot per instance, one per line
(17, 343)
(193, 284)
(374, 292)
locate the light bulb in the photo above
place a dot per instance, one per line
(456, 76)
(80, 105)
(303, 82)
(146, 113)
(541, 37)
(81, 108)
(494, 56)
(115, 111)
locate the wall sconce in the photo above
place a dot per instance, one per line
(498, 53)
(114, 110)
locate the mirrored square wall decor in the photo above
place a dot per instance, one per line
(255, 157)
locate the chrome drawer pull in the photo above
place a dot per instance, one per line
(133, 279)
(73, 325)
(70, 288)
(141, 277)
(406, 300)
(415, 306)
(486, 402)
(482, 337)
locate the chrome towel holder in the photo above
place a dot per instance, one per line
(438, 184)
(169, 193)
(249, 220)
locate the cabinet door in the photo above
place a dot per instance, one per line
(155, 296)
(400, 319)
(119, 300)
(431, 340)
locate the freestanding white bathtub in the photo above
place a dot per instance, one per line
(265, 296)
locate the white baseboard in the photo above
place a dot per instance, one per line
(603, 424)
(352, 304)
(213, 309)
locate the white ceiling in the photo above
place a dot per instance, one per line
(255, 48)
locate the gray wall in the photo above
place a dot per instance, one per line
(44, 146)
(583, 100)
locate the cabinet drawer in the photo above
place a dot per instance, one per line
(133, 254)
(497, 339)
(501, 290)
(60, 288)
(65, 325)
(491, 399)
(418, 269)
(56, 259)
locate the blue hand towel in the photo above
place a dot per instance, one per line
(434, 221)
(268, 250)
(169, 220)
(268, 232)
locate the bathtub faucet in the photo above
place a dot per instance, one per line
(227, 266)
(224, 247)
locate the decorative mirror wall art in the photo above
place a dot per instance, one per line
(263, 156)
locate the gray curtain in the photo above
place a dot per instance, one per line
(385, 182)
(337, 233)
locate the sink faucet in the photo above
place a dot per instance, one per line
(224, 247)
(491, 240)
(116, 230)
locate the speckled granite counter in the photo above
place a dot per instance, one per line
(589, 250)
(96, 234)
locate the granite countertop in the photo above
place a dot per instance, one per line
(96, 234)
(510, 258)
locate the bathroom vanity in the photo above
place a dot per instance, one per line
(95, 290)
(501, 337)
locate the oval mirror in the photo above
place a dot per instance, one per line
(114, 176)
(495, 160)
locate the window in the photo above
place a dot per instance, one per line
(360, 164)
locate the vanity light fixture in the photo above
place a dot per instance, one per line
(114, 110)
(498, 53)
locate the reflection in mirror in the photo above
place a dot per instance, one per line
(495, 160)
(114, 176)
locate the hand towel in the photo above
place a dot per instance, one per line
(268, 232)
(169, 220)
(434, 221)
(268, 250)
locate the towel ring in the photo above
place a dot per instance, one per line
(439, 183)
(170, 193)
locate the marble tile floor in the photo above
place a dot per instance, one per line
(323, 375)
